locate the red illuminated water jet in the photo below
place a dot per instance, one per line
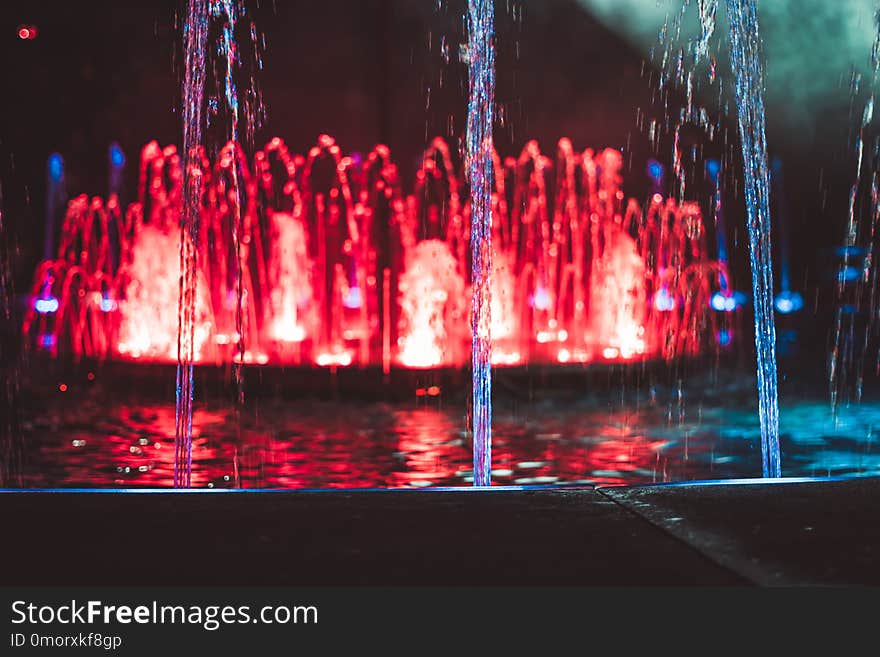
(339, 266)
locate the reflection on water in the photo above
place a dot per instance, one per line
(313, 444)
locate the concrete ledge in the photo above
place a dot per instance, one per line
(543, 537)
(712, 533)
(818, 532)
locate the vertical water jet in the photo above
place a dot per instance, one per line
(481, 70)
(748, 68)
(195, 42)
(228, 10)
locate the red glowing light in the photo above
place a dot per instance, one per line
(433, 391)
(313, 293)
(63, 387)
(27, 32)
(421, 392)
(91, 376)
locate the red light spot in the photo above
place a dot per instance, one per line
(433, 391)
(91, 376)
(63, 387)
(27, 32)
(421, 392)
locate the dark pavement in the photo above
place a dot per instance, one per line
(819, 533)
(792, 533)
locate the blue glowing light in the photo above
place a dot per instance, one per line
(655, 170)
(541, 300)
(763, 481)
(713, 167)
(56, 167)
(47, 305)
(849, 274)
(789, 302)
(663, 301)
(854, 251)
(724, 337)
(727, 302)
(457, 490)
(108, 305)
(47, 340)
(354, 298)
(117, 157)
(719, 301)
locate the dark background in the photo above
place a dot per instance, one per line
(360, 70)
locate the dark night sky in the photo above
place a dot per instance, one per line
(105, 70)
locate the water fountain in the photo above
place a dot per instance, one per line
(565, 244)
(234, 256)
(546, 336)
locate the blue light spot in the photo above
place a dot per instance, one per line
(663, 301)
(848, 274)
(784, 306)
(108, 305)
(854, 251)
(47, 305)
(353, 299)
(655, 169)
(726, 303)
(56, 167)
(47, 340)
(117, 157)
(724, 337)
(718, 302)
(541, 300)
(713, 167)
(789, 302)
